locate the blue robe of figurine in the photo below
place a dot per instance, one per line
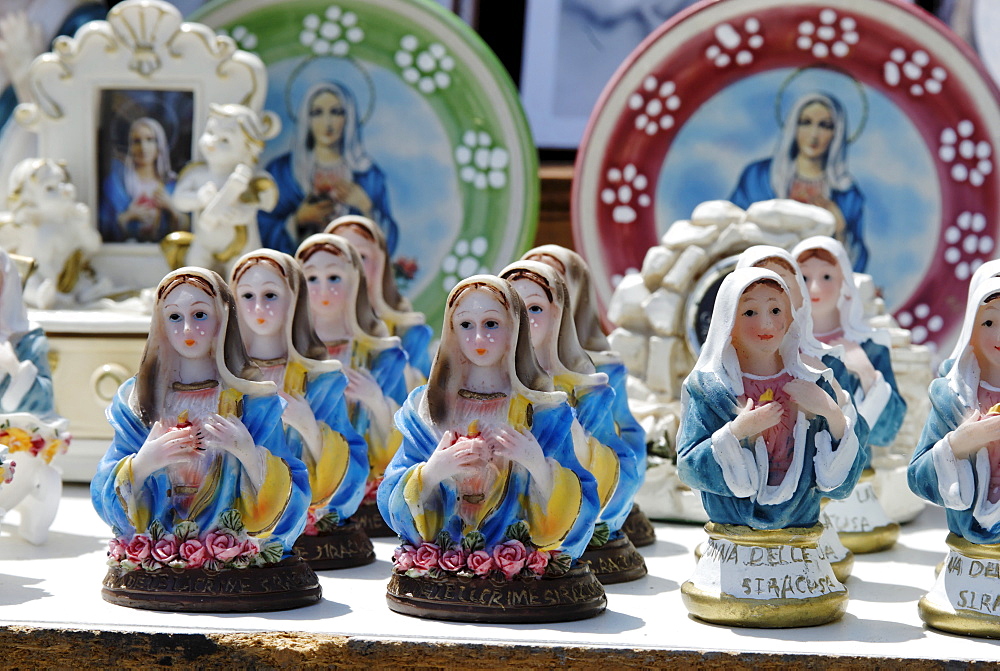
(565, 522)
(885, 428)
(337, 487)
(38, 400)
(755, 185)
(594, 409)
(416, 340)
(273, 231)
(115, 200)
(275, 513)
(709, 406)
(629, 429)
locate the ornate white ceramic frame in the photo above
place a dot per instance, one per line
(143, 45)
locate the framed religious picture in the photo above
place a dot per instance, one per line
(874, 111)
(395, 110)
(123, 103)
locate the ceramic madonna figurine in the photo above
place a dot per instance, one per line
(273, 309)
(600, 449)
(822, 357)
(225, 191)
(583, 302)
(763, 438)
(383, 294)
(47, 224)
(30, 430)
(984, 272)
(838, 319)
(486, 492)
(199, 486)
(957, 465)
(373, 361)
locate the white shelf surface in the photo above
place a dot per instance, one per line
(57, 586)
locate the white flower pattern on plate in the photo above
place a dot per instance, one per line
(333, 34)
(916, 69)
(626, 190)
(654, 103)
(429, 69)
(480, 162)
(464, 260)
(970, 160)
(732, 46)
(828, 36)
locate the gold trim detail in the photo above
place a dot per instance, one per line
(481, 396)
(195, 386)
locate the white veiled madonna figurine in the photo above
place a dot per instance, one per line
(30, 429)
(838, 320)
(601, 448)
(383, 294)
(204, 497)
(584, 309)
(823, 357)
(226, 190)
(763, 437)
(957, 465)
(273, 308)
(373, 361)
(486, 491)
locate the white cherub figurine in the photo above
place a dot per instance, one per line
(47, 223)
(225, 191)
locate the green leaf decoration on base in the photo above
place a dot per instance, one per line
(601, 535)
(443, 540)
(231, 520)
(156, 531)
(185, 531)
(328, 523)
(519, 532)
(272, 553)
(473, 541)
(558, 565)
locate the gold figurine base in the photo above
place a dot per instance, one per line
(764, 578)
(860, 520)
(965, 598)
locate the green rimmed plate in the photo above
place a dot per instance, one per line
(437, 115)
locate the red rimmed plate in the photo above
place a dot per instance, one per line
(697, 113)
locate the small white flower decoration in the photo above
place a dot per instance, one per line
(968, 244)
(654, 103)
(915, 70)
(334, 33)
(734, 46)
(428, 69)
(971, 160)
(244, 38)
(828, 36)
(482, 164)
(464, 260)
(626, 190)
(921, 322)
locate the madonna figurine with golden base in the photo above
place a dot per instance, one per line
(273, 309)
(486, 493)
(199, 486)
(957, 465)
(763, 438)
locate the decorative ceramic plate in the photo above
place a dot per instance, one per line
(698, 112)
(441, 139)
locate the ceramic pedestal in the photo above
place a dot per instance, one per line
(965, 598)
(638, 528)
(860, 520)
(616, 561)
(761, 578)
(840, 558)
(345, 546)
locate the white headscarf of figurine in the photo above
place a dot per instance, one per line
(13, 315)
(718, 355)
(852, 310)
(987, 271)
(752, 257)
(963, 378)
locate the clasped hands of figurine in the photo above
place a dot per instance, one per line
(974, 433)
(458, 453)
(169, 444)
(753, 420)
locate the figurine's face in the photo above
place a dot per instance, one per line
(986, 335)
(223, 141)
(372, 259)
(815, 130)
(331, 280)
(543, 315)
(762, 320)
(326, 118)
(52, 188)
(483, 329)
(789, 278)
(190, 321)
(824, 281)
(142, 144)
(263, 300)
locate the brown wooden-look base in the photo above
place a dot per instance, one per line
(346, 546)
(638, 528)
(370, 519)
(577, 595)
(616, 561)
(282, 586)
